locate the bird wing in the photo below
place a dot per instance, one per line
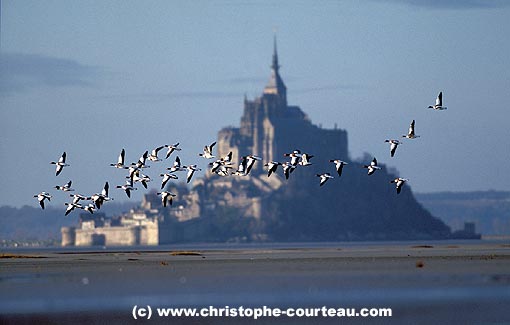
(156, 150)
(286, 171)
(393, 148)
(411, 128)
(339, 168)
(104, 192)
(120, 161)
(190, 174)
(143, 158)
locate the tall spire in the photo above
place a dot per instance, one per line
(276, 85)
(275, 66)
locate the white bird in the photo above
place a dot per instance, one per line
(241, 169)
(399, 183)
(224, 161)
(154, 154)
(166, 197)
(393, 145)
(272, 166)
(166, 178)
(142, 178)
(71, 207)
(339, 165)
(65, 187)
(60, 164)
(90, 208)
(223, 170)
(227, 158)
(78, 197)
(288, 168)
(324, 177)
(410, 134)
(439, 103)
(177, 167)
(294, 157)
(216, 165)
(372, 167)
(171, 149)
(141, 161)
(41, 197)
(305, 159)
(191, 170)
(208, 151)
(120, 160)
(132, 171)
(128, 187)
(100, 198)
(250, 161)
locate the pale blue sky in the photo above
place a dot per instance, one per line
(92, 77)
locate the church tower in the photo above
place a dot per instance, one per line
(276, 87)
(270, 127)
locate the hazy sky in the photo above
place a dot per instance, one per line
(93, 77)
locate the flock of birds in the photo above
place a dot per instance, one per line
(222, 167)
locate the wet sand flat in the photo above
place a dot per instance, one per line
(423, 284)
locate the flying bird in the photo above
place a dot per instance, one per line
(250, 161)
(294, 157)
(438, 106)
(372, 167)
(208, 151)
(177, 167)
(241, 169)
(142, 178)
(339, 165)
(166, 178)
(128, 187)
(132, 171)
(89, 208)
(288, 168)
(100, 198)
(410, 134)
(140, 164)
(41, 197)
(399, 182)
(60, 164)
(65, 187)
(120, 160)
(272, 166)
(154, 154)
(171, 149)
(305, 159)
(78, 197)
(222, 162)
(191, 170)
(393, 145)
(71, 207)
(166, 197)
(324, 178)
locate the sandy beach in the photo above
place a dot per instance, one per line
(423, 283)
